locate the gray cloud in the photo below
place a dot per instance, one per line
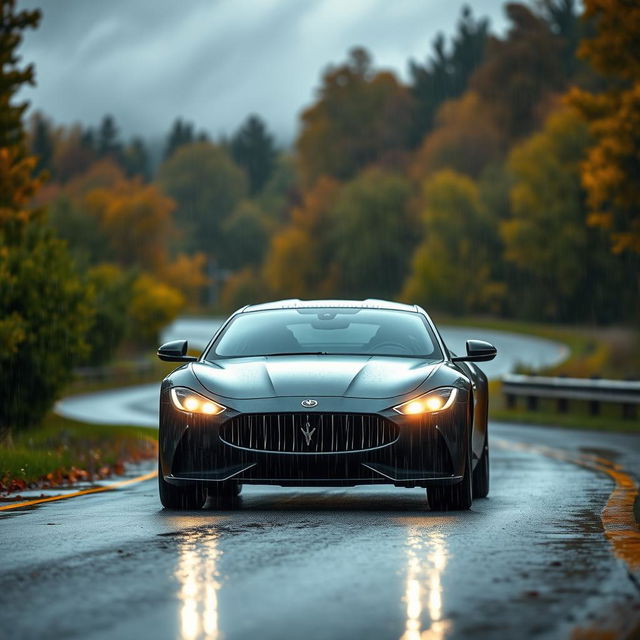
(215, 61)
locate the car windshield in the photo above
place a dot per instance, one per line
(327, 331)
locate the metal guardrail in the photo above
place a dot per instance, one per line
(592, 390)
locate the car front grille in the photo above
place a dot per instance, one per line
(308, 432)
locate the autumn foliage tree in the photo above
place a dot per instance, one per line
(561, 269)
(446, 73)
(371, 235)
(361, 117)
(612, 166)
(299, 261)
(521, 72)
(466, 138)
(452, 266)
(44, 308)
(207, 186)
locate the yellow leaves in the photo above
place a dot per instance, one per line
(610, 171)
(295, 265)
(17, 186)
(153, 305)
(187, 274)
(451, 268)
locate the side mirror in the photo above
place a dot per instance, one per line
(477, 351)
(175, 351)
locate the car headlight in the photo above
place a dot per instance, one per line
(437, 400)
(192, 402)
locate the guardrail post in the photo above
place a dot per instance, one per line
(561, 391)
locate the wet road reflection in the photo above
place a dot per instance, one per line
(363, 562)
(427, 559)
(197, 574)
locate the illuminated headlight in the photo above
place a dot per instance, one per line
(192, 402)
(437, 400)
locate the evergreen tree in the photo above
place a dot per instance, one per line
(253, 149)
(41, 143)
(446, 73)
(181, 133)
(44, 311)
(108, 143)
(88, 139)
(135, 159)
(564, 20)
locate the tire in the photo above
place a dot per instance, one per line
(224, 494)
(455, 497)
(481, 473)
(189, 497)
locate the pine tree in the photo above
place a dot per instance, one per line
(44, 310)
(446, 73)
(181, 133)
(41, 143)
(135, 159)
(108, 143)
(253, 149)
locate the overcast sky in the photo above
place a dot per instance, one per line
(214, 62)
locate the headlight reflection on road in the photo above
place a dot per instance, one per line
(427, 558)
(197, 574)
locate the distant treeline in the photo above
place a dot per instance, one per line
(501, 179)
(483, 185)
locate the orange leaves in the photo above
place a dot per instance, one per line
(297, 262)
(17, 188)
(610, 171)
(466, 138)
(615, 48)
(136, 218)
(187, 273)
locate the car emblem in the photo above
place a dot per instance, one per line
(309, 403)
(308, 432)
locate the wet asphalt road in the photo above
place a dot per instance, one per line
(529, 561)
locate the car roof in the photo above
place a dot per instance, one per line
(295, 303)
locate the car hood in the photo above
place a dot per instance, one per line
(314, 376)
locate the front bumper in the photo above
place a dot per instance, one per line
(428, 450)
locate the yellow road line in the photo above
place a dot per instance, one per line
(84, 492)
(617, 517)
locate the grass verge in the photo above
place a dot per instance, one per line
(612, 352)
(608, 352)
(61, 452)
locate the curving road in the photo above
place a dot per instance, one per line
(537, 559)
(139, 405)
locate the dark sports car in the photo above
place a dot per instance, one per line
(324, 393)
